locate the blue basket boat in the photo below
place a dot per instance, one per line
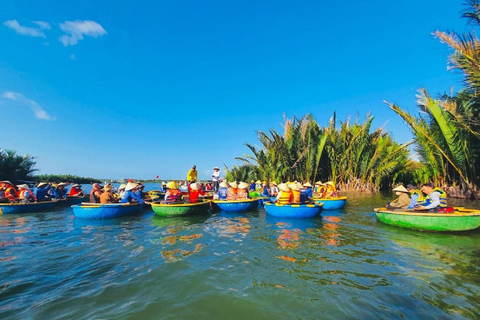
(9, 208)
(103, 211)
(296, 211)
(236, 205)
(332, 203)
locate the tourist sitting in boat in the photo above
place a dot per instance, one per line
(320, 190)
(107, 195)
(130, 194)
(331, 190)
(95, 193)
(223, 191)
(76, 191)
(232, 191)
(284, 195)
(25, 194)
(296, 193)
(60, 192)
(194, 192)
(265, 192)
(163, 187)
(173, 195)
(9, 192)
(307, 191)
(403, 200)
(273, 189)
(242, 193)
(417, 196)
(42, 192)
(435, 199)
(139, 191)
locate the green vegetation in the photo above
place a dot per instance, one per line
(447, 129)
(14, 167)
(63, 178)
(351, 155)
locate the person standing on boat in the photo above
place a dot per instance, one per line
(130, 195)
(95, 193)
(216, 179)
(25, 194)
(107, 195)
(192, 174)
(417, 197)
(435, 198)
(403, 200)
(42, 192)
(223, 190)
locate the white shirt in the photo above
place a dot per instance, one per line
(216, 175)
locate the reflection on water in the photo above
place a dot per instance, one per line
(343, 265)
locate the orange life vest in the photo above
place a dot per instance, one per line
(11, 193)
(242, 194)
(173, 196)
(295, 197)
(284, 197)
(231, 194)
(26, 194)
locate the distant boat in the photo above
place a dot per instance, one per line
(236, 205)
(103, 211)
(293, 210)
(181, 209)
(9, 208)
(460, 219)
(332, 203)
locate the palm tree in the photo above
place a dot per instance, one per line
(14, 167)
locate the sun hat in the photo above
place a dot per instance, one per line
(273, 183)
(122, 186)
(400, 189)
(61, 184)
(293, 186)
(172, 185)
(194, 186)
(330, 183)
(319, 183)
(307, 184)
(283, 187)
(22, 186)
(233, 184)
(223, 184)
(130, 186)
(107, 187)
(41, 184)
(216, 168)
(76, 185)
(243, 185)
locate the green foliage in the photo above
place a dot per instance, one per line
(63, 178)
(351, 155)
(14, 167)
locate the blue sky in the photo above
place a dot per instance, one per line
(122, 89)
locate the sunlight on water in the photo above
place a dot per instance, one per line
(236, 266)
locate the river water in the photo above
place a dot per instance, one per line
(342, 265)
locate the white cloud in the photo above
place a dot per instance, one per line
(42, 24)
(36, 108)
(75, 30)
(73, 57)
(27, 31)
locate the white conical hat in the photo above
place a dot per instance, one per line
(283, 187)
(194, 186)
(401, 189)
(243, 185)
(130, 186)
(233, 184)
(223, 184)
(23, 186)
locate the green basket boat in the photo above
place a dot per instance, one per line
(181, 209)
(460, 219)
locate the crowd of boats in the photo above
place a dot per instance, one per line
(285, 200)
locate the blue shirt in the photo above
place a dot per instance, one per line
(59, 194)
(309, 192)
(130, 195)
(41, 193)
(222, 193)
(413, 201)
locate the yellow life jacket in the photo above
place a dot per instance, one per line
(284, 197)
